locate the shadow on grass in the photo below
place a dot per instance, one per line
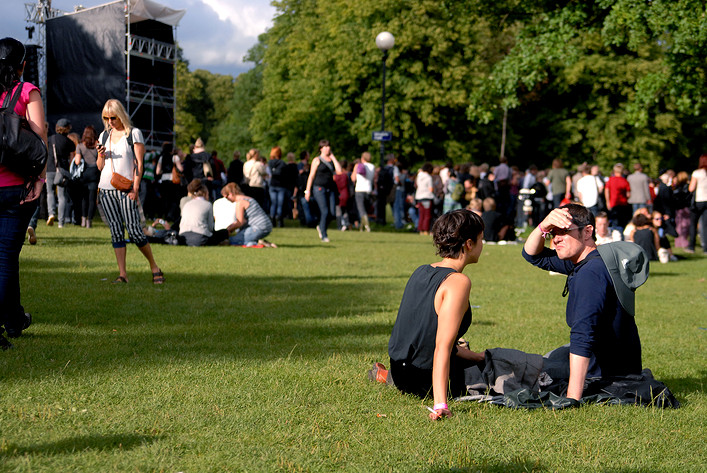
(97, 325)
(100, 443)
(682, 386)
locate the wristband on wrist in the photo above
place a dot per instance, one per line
(544, 232)
(441, 405)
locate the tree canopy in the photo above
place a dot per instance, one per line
(602, 81)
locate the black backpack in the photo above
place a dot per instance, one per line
(22, 150)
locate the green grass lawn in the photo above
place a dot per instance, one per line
(256, 359)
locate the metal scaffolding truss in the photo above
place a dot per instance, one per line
(38, 13)
(139, 94)
(151, 49)
(160, 101)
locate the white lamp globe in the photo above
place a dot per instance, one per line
(385, 41)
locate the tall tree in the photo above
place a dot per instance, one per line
(322, 75)
(610, 80)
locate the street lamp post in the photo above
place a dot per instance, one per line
(384, 41)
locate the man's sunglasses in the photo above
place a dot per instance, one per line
(563, 231)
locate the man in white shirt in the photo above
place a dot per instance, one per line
(589, 187)
(224, 213)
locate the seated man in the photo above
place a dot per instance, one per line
(604, 338)
(605, 234)
(224, 213)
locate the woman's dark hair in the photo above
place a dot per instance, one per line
(641, 220)
(167, 151)
(12, 56)
(581, 217)
(427, 167)
(89, 137)
(453, 229)
(323, 143)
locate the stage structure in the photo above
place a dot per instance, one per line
(124, 50)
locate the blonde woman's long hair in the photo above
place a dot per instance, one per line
(114, 108)
(253, 154)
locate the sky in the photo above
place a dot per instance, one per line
(214, 34)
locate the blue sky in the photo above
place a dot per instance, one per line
(214, 34)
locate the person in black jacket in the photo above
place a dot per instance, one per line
(277, 189)
(61, 152)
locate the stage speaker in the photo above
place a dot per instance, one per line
(31, 73)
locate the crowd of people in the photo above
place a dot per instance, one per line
(354, 193)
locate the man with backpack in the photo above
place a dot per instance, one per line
(604, 339)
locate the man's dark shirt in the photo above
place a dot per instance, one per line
(600, 328)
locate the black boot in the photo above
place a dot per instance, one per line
(16, 329)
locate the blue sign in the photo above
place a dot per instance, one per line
(382, 136)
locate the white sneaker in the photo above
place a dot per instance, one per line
(50, 220)
(319, 232)
(325, 240)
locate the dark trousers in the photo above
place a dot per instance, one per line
(14, 219)
(412, 380)
(698, 214)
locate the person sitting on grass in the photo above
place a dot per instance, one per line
(196, 227)
(251, 219)
(604, 338)
(434, 314)
(495, 228)
(645, 235)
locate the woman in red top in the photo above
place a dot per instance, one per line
(18, 195)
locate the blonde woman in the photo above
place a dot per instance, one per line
(115, 154)
(254, 176)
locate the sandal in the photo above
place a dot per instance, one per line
(158, 277)
(120, 280)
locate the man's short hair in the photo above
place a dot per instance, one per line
(581, 217)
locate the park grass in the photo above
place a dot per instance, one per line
(255, 360)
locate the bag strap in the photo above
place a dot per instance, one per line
(56, 161)
(11, 98)
(129, 138)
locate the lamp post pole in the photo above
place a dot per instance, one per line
(384, 41)
(385, 57)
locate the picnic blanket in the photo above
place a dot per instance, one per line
(520, 380)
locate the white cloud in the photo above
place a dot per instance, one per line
(249, 17)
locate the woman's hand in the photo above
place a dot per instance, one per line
(132, 195)
(465, 353)
(437, 414)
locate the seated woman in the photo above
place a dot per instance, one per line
(645, 235)
(196, 226)
(251, 219)
(434, 313)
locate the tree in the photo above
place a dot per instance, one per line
(609, 80)
(322, 76)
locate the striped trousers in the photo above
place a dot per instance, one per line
(121, 212)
